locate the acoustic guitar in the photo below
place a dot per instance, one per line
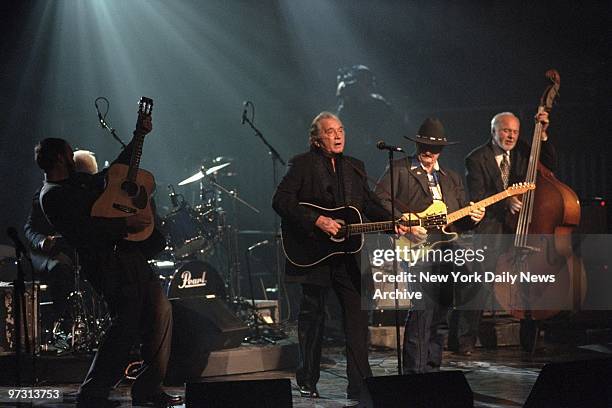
(305, 251)
(129, 188)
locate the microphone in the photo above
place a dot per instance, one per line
(100, 119)
(245, 104)
(12, 233)
(260, 243)
(383, 146)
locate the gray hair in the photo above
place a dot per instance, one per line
(85, 161)
(497, 118)
(314, 136)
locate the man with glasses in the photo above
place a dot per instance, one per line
(326, 178)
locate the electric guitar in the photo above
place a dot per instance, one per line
(128, 188)
(438, 208)
(305, 251)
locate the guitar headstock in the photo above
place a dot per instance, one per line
(520, 188)
(144, 124)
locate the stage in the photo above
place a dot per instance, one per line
(503, 377)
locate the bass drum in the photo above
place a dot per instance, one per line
(197, 279)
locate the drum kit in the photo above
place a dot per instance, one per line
(201, 234)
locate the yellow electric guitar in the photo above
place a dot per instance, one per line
(128, 188)
(438, 209)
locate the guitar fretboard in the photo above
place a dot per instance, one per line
(464, 212)
(375, 226)
(136, 155)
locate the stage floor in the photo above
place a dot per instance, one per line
(498, 378)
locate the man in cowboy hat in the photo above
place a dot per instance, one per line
(418, 181)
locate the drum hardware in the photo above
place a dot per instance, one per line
(259, 336)
(84, 327)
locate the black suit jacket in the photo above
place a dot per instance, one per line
(484, 179)
(412, 193)
(311, 178)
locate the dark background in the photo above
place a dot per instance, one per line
(460, 61)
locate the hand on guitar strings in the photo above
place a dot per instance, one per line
(415, 234)
(327, 225)
(477, 214)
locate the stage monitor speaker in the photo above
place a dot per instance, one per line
(270, 393)
(447, 389)
(573, 384)
(200, 326)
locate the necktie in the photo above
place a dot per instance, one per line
(504, 166)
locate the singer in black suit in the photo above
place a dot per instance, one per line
(323, 176)
(418, 181)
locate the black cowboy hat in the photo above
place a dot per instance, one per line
(431, 132)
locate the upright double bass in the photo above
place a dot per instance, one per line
(553, 278)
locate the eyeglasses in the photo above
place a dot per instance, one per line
(333, 131)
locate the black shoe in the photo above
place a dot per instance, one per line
(84, 401)
(161, 400)
(309, 392)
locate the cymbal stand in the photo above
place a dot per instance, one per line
(258, 338)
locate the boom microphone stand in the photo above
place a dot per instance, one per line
(276, 158)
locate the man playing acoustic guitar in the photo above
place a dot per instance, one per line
(326, 178)
(117, 269)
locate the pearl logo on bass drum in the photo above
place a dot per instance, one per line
(188, 282)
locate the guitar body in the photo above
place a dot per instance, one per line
(436, 234)
(305, 251)
(122, 198)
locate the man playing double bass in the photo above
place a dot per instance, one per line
(491, 168)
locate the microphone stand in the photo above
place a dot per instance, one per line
(395, 285)
(19, 299)
(276, 158)
(103, 121)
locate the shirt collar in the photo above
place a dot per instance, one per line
(416, 163)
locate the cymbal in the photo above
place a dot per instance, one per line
(203, 173)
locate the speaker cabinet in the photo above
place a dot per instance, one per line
(238, 394)
(200, 326)
(573, 384)
(448, 389)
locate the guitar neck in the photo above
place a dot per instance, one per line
(137, 143)
(366, 227)
(464, 212)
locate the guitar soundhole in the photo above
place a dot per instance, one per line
(130, 188)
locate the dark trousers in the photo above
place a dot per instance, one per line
(311, 322)
(427, 326)
(140, 311)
